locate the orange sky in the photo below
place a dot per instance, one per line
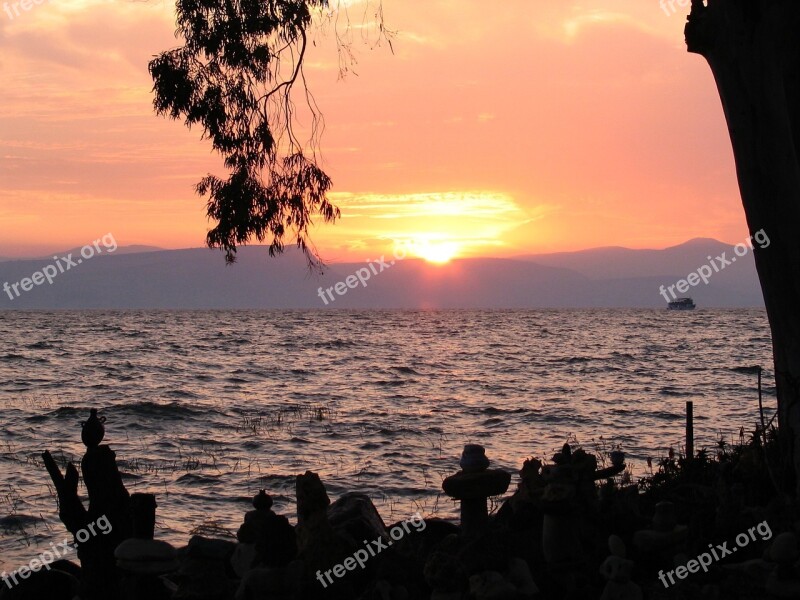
(538, 126)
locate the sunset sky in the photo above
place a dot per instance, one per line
(492, 130)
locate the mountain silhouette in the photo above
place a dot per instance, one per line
(198, 278)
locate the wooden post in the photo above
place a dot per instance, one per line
(689, 429)
(143, 516)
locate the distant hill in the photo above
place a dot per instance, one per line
(198, 278)
(132, 249)
(622, 263)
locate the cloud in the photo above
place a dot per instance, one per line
(573, 26)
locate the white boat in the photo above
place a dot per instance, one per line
(682, 304)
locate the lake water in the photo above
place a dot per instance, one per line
(204, 408)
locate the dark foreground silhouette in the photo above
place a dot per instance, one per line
(574, 528)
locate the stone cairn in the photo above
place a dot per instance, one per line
(472, 485)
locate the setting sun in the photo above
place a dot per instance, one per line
(437, 252)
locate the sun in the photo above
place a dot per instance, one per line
(438, 253)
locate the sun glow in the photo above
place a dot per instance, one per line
(436, 227)
(437, 252)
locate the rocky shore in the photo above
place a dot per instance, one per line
(575, 527)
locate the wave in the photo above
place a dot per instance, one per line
(405, 370)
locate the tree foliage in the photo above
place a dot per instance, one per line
(234, 77)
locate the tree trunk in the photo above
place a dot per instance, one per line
(753, 49)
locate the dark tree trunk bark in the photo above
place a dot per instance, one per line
(753, 49)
